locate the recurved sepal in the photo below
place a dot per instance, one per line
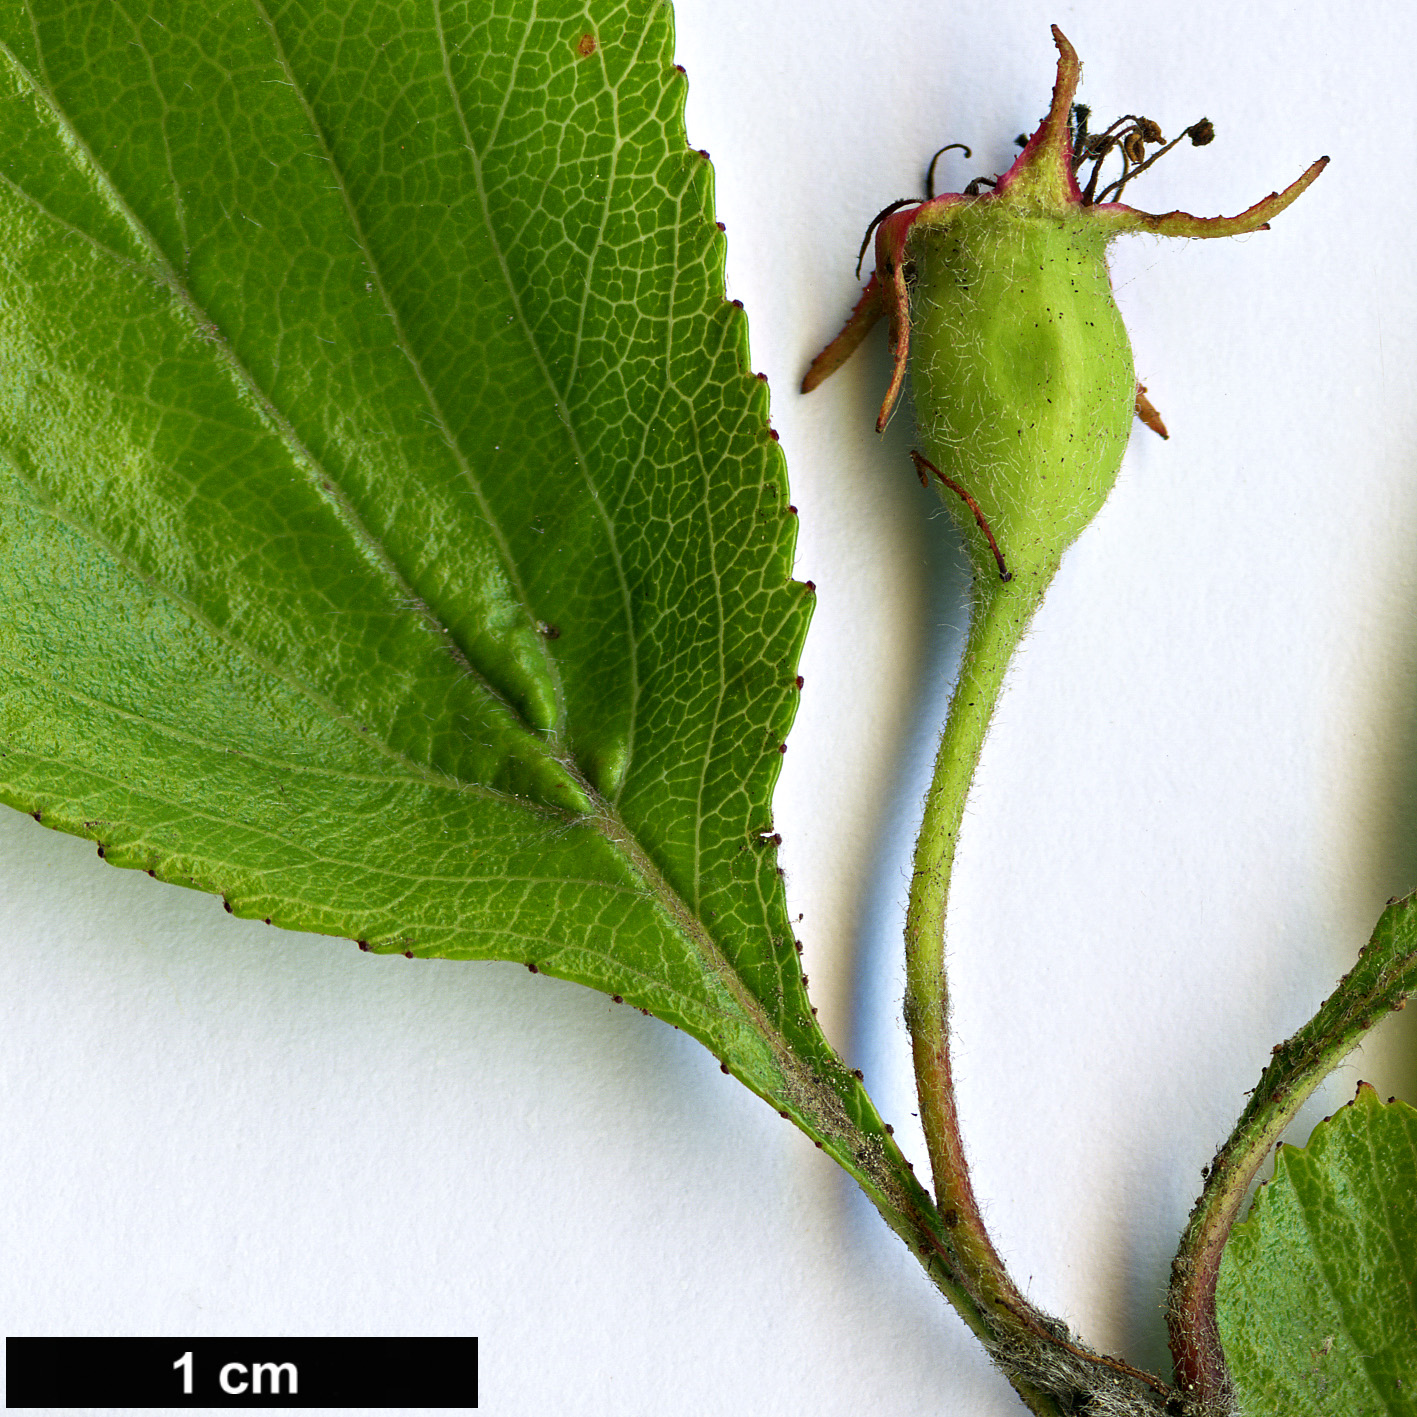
(1042, 184)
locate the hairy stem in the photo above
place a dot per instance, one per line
(1385, 974)
(1001, 614)
(908, 1209)
(1049, 1371)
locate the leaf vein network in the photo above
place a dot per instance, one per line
(301, 456)
(559, 398)
(440, 420)
(326, 706)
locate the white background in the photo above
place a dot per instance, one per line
(1201, 788)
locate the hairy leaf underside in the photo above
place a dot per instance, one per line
(1318, 1287)
(392, 539)
(392, 536)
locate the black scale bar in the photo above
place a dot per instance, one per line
(241, 1372)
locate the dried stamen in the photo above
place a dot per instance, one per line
(930, 171)
(1200, 133)
(875, 222)
(1077, 137)
(1130, 134)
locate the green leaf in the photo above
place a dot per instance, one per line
(1318, 1287)
(1379, 983)
(393, 538)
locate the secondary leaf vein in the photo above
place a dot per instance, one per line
(559, 399)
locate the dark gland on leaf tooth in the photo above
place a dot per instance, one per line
(802, 1073)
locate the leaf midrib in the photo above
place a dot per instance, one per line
(604, 817)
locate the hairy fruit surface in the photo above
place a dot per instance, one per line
(1022, 376)
(1023, 379)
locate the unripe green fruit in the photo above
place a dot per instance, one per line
(1024, 395)
(1022, 376)
(1023, 379)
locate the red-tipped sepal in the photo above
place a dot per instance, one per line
(868, 311)
(1121, 218)
(1043, 171)
(890, 271)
